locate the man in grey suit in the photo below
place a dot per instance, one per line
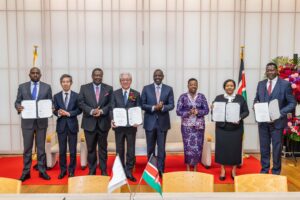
(94, 101)
(33, 90)
(271, 132)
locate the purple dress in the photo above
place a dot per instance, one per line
(192, 127)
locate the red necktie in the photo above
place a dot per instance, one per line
(270, 87)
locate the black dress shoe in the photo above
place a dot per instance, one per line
(24, 177)
(131, 177)
(92, 173)
(62, 175)
(71, 174)
(222, 178)
(104, 173)
(44, 176)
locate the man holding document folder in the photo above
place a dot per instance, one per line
(33, 90)
(126, 98)
(273, 91)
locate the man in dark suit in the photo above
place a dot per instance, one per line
(33, 90)
(267, 90)
(94, 101)
(126, 97)
(66, 110)
(157, 101)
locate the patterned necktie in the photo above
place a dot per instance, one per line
(66, 100)
(97, 93)
(34, 91)
(125, 98)
(270, 87)
(157, 93)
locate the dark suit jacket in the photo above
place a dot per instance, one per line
(87, 102)
(24, 93)
(283, 92)
(117, 101)
(149, 100)
(72, 108)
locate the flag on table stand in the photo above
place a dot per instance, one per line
(151, 175)
(242, 87)
(118, 177)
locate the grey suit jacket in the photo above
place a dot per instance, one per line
(87, 101)
(24, 93)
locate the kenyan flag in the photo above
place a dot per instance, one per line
(242, 79)
(151, 176)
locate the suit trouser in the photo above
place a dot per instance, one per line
(157, 136)
(128, 134)
(267, 134)
(28, 137)
(92, 139)
(71, 138)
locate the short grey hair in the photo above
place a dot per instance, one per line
(125, 73)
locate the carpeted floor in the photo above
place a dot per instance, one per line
(11, 167)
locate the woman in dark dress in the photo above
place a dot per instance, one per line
(229, 136)
(192, 107)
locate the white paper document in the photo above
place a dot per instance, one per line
(36, 109)
(120, 116)
(226, 112)
(44, 108)
(218, 112)
(29, 111)
(266, 112)
(135, 116)
(123, 117)
(232, 112)
(274, 110)
(262, 112)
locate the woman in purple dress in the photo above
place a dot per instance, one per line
(192, 107)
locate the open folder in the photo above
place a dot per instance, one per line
(226, 112)
(127, 117)
(266, 112)
(36, 109)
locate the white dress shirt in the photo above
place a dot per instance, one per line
(274, 81)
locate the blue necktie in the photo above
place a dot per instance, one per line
(34, 91)
(125, 97)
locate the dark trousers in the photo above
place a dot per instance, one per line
(128, 134)
(28, 137)
(71, 138)
(267, 134)
(92, 139)
(157, 136)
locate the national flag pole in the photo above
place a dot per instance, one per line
(35, 56)
(242, 91)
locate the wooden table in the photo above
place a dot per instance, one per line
(156, 196)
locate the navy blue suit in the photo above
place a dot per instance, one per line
(272, 132)
(157, 123)
(67, 128)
